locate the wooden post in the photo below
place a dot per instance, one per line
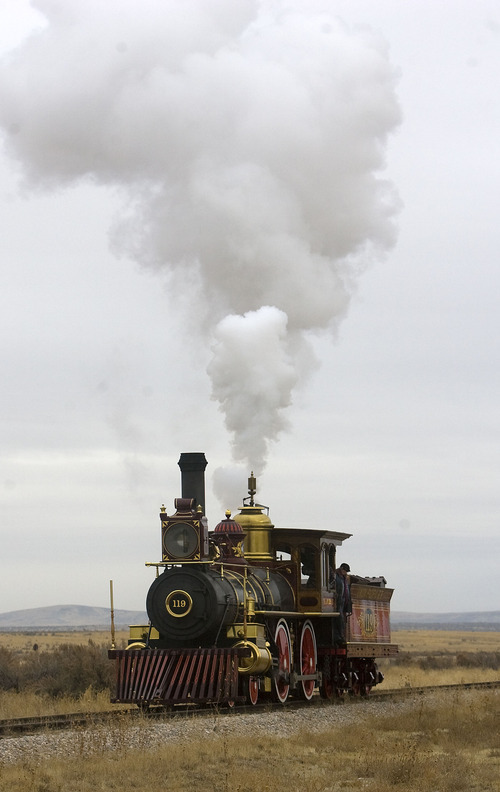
(113, 645)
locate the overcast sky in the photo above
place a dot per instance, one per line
(266, 231)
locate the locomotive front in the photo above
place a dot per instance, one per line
(202, 641)
(201, 593)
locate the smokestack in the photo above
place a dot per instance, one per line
(193, 477)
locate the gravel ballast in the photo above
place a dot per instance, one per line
(190, 728)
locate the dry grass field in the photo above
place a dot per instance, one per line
(427, 657)
(446, 641)
(436, 657)
(417, 642)
(68, 672)
(46, 641)
(446, 742)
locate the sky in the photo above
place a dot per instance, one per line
(262, 230)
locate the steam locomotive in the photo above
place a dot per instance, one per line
(249, 611)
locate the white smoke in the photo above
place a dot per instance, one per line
(249, 137)
(256, 365)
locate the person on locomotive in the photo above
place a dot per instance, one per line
(343, 594)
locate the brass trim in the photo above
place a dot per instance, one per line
(179, 594)
(254, 584)
(295, 613)
(175, 562)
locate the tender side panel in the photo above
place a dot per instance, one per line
(174, 676)
(370, 619)
(369, 622)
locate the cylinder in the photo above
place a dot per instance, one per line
(258, 659)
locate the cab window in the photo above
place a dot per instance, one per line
(331, 568)
(283, 553)
(308, 566)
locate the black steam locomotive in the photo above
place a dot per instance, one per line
(249, 610)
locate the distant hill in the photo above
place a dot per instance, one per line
(78, 617)
(69, 617)
(474, 620)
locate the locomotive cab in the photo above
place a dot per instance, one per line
(313, 554)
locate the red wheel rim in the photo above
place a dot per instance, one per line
(282, 640)
(252, 690)
(308, 659)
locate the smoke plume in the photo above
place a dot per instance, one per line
(248, 137)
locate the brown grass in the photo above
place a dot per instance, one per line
(415, 641)
(436, 657)
(445, 743)
(47, 641)
(421, 641)
(452, 641)
(64, 677)
(427, 657)
(414, 676)
(28, 704)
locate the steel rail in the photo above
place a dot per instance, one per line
(12, 727)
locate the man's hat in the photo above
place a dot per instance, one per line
(346, 567)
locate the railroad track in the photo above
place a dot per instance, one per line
(432, 688)
(18, 726)
(15, 726)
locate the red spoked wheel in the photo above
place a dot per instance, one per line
(251, 689)
(281, 682)
(355, 688)
(361, 683)
(329, 691)
(307, 661)
(332, 677)
(371, 677)
(361, 688)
